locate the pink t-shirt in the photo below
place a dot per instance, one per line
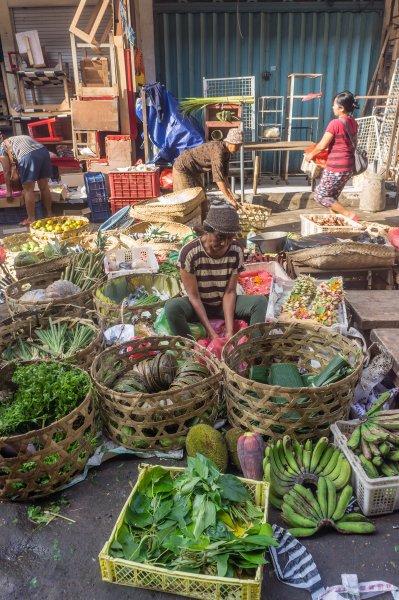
(341, 155)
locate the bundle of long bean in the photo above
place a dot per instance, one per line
(86, 269)
(59, 340)
(192, 105)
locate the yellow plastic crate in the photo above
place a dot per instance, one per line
(204, 587)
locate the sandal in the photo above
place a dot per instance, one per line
(25, 223)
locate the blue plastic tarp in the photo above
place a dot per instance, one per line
(168, 130)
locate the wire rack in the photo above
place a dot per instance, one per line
(368, 138)
(388, 130)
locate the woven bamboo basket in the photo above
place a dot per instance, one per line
(275, 411)
(345, 256)
(252, 216)
(74, 305)
(15, 240)
(156, 212)
(44, 266)
(182, 231)
(112, 312)
(89, 241)
(24, 326)
(44, 236)
(159, 420)
(24, 470)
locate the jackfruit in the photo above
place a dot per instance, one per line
(231, 439)
(204, 439)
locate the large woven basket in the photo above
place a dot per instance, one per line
(44, 236)
(109, 313)
(75, 305)
(159, 420)
(274, 411)
(344, 256)
(182, 231)
(156, 212)
(24, 326)
(14, 240)
(24, 472)
(253, 216)
(59, 263)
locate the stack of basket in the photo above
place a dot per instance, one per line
(177, 207)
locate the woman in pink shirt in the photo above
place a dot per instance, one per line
(341, 158)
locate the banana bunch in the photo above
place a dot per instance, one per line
(288, 462)
(306, 513)
(376, 441)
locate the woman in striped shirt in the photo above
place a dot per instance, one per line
(209, 268)
(341, 158)
(33, 161)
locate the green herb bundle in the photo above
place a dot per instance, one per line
(200, 522)
(45, 393)
(55, 341)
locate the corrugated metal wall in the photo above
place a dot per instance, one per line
(343, 46)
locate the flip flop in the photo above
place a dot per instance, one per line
(25, 223)
(355, 218)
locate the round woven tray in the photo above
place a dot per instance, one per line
(110, 313)
(253, 216)
(308, 412)
(44, 479)
(345, 256)
(44, 266)
(46, 235)
(12, 240)
(159, 420)
(23, 327)
(75, 305)
(182, 231)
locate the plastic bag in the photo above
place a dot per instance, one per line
(393, 237)
(321, 158)
(162, 327)
(351, 588)
(308, 241)
(216, 346)
(166, 179)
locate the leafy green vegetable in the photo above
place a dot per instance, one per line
(200, 522)
(45, 393)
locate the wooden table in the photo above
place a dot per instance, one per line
(388, 339)
(376, 309)
(267, 147)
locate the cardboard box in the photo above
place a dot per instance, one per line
(118, 150)
(73, 179)
(95, 115)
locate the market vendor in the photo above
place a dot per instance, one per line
(209, 268)
(33, 162)
(212, 156)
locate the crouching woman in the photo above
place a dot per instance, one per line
(209, 268)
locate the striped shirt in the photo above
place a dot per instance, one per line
(341, 156)
(20, 146)
(212, 274)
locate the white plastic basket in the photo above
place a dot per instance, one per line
(272, 267)
(375, 496)
(308, 227)
(142, 260)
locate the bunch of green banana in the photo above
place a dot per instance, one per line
(306, 513)
(288, 462)
(376, 440)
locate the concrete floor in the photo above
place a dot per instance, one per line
(60, 561)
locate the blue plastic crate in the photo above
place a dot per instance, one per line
(15, 214)
(96, 188)
(97, 197)
(100, 212)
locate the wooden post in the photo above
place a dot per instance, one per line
(145, 128)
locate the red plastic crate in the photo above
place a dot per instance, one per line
(134, 185)
(118, 203)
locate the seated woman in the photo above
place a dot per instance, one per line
(209, 268)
